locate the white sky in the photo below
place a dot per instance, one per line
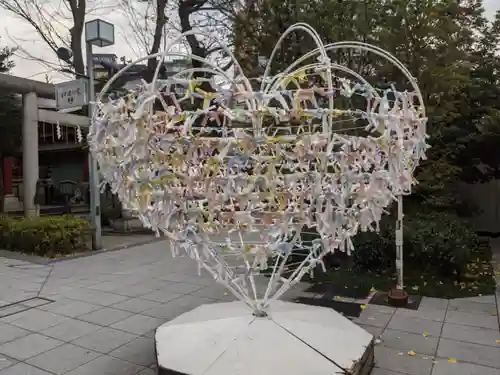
(11, 27)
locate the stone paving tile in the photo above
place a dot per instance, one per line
(415, 325)
(183, 288)
(211, 291)
(443, 367)
(472, 307)
(71, 308)
(150, 334)
(138, 324)
(381, 371)
(167, 311)
(6, 362)
(135, 305)
(140, 351)
(374, 319)
(48, 291)
(134, 290)
(475, 335)
(70, 330)
(105, 316)
(190, 301)
(7, 312)
(425, 313)
(29, 346)
(375, 331)
(23, 369)
(108, 286)
(35, 319)
(9, 332)
(147, 371)
(106, 365)
(104, 340)
(108, 289)
(62, 359)
(468, 352)
(162, 296)
(96, 297)
(472, 319)
(179, 277)
(409, 341)
(374, 309)
(396, 360)
(433, 303)
(479, 299)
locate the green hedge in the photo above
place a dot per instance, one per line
(434, 242)
(437, 242)
(44, 236)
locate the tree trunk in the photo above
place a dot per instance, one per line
(161, 20)
(78, 8)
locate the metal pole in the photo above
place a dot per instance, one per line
(399, 244)
(95, 197)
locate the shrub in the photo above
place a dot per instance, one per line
(44, 236)
(440, 241)
(435, 242)
(375, 251)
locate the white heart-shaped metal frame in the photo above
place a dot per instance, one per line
(237, 202)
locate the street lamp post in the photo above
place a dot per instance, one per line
(102, 34)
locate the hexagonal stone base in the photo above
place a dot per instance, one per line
(294, 339)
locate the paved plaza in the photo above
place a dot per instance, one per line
(96, 315)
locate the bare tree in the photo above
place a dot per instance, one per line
(61, 24)
(212, 16)
(147, 21)
(215, 17)
(58, 24)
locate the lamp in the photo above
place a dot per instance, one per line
(99, 33)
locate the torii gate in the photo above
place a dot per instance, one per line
(34, 93)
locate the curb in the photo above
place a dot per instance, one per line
(47, 262)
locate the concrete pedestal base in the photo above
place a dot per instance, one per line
(294, 339)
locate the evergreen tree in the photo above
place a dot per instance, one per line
(448, 46)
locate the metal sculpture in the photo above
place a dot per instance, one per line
(231, 173)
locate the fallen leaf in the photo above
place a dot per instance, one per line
(497, 341)
(363, 307)
(425, 334)
(452, 360)
(373, 290)
(411, 353)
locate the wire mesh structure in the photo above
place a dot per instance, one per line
(231, 173)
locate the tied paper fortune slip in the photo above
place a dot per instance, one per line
(231, 173)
